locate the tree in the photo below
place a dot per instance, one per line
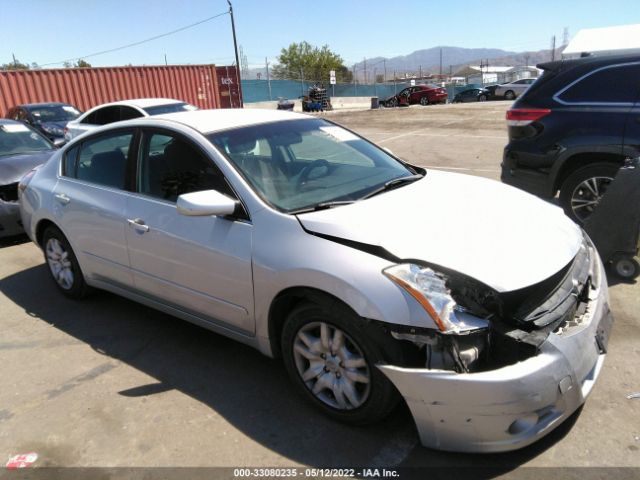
(79, 64)
(311, 63)
(15, 65)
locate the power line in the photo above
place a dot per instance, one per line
(134, 44)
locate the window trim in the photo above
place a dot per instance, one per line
(557, 95)
(144, 131)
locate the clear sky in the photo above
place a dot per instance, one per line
(48, 31)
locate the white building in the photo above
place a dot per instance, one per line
(604, 41)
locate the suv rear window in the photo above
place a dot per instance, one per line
(616, 84)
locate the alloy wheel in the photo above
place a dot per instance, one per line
(587, 195)
(332, 366)
(59, 263)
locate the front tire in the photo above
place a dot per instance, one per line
(482, 98)
(332, 361)
(63, 264)
(582, 191)
(509, 95)
(424, 101)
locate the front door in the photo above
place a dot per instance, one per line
(201, 265)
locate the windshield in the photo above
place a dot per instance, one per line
(17, 138)
(169, 108)
(297, 165)
(54, 113)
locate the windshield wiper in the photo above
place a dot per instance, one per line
(322, 206)
(395, 183)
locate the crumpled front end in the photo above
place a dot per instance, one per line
(512, 406)
(10, 223)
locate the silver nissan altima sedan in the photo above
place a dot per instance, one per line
(375, 281)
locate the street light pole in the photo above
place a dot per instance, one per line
(235, 47)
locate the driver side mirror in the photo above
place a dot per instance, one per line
(205, 203)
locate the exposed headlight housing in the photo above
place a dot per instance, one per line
(429, 289)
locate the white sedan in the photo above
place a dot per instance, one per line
(124, 110)
(482, 307)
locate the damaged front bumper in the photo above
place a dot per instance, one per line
(513, 406)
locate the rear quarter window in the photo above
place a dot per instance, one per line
(617, 84)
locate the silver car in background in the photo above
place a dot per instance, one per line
(512, 90)
(483, 307)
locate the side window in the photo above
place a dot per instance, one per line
(108, 115)
(610, 85)
(127, 113)
(170, 166)
(91, 119)
(104, 160)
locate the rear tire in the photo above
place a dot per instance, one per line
(355, 392)
(625, 266)
(582, 191)
(63, 264)
(482, 98)
(424, 101)
(509, 95)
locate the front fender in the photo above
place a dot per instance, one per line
(304, 260)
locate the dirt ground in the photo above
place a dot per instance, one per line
(107, 382)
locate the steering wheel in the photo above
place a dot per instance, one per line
(304, 173)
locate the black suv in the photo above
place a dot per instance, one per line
(573, 129)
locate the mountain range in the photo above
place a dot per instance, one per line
(428, 60)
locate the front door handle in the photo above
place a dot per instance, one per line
(62, 198)
(138, 224)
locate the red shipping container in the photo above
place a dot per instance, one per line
(87, 87)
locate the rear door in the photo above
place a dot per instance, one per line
(600, 103)
(201, 265)
(90, 198)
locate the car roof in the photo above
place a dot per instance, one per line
(8, 121)
(43, 104)
(207, 121)
(594, 60)
(143, 102)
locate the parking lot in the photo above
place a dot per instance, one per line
(108, 382)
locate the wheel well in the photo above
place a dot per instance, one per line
(286, 301)
(580, 160)
(40, 228)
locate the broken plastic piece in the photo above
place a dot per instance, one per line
(22, 460)
(633, 395)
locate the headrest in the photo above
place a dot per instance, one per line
(241, 145)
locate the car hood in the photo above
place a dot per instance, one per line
(14, 167)
(497, 234)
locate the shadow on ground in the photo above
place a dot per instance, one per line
(249, 390)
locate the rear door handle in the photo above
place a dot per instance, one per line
(62, 198)
(138, 224)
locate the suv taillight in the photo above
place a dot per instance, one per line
(521, 117)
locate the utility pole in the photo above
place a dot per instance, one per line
(365, 70)
(420, 71)
(384, 62)
(395, 90)
(302, 81)
(165, 59)
(235, 48)
(526, 59)
(15, 62)
(266, 64)
(553, 48)
(440, 61)
(565, 36)
(355, 81)
(375, 91)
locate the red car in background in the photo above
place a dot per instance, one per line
(422, 94)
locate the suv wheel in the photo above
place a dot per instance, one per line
(582, 191)
(332, 359)
(509, 95)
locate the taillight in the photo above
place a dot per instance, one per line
(521, 117)
(24, 181)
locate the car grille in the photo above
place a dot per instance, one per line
(9, 193)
